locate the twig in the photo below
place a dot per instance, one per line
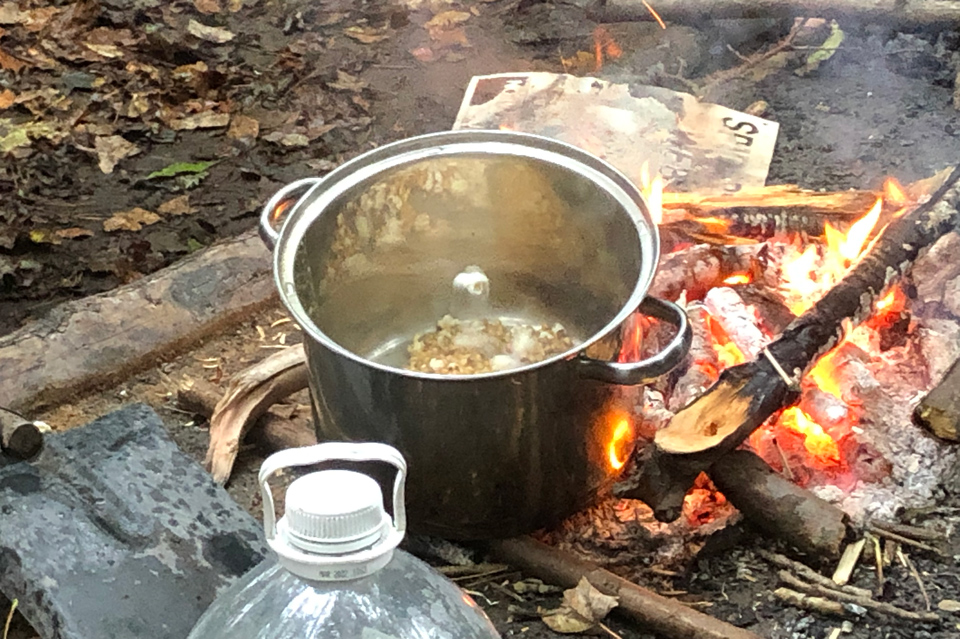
(878, 555)
(787, 471)
(864, 602)
(455, 572)
(913, 532)
(607, 630)
(916, 575)
(889, 534)
(808, 602)
(6, 626)
(847, 563)
(811, 575)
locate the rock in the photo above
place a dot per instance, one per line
(113, 532)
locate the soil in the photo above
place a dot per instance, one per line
(327, 82)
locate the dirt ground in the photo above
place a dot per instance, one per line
(135, 132)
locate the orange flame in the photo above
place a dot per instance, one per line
(893, 192)
(632, 339)
(656, 16)
(652, 189)
(850, 245)
(622, 435)
(728, 353)
(824, 375)
(738, 278)
(893, 302)
(816, 441)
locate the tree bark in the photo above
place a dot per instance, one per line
(103, 338)
(19, 437)
(745, 396)
(894, 12)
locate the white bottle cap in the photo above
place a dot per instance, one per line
(335, 527)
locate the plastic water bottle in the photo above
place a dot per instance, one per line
(338, 572)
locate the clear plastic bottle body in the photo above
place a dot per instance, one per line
(404, 600)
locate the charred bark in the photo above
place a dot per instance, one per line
(745, 396)
(19, 437)
(939, 411)
(898, 12)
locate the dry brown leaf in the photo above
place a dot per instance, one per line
(447, 19)
(583, 608)
(449, 38)
(105, 50)
(207, 7)
(347, 82)
(423, 54)
(10, 63)
(205, 120)
(234, 5)
(243, 127)
(74, 232)
(179, 205)
(288, 139)
(6, 98)
(366, 35)
(210, 34)
(10, 13)
(132, 220)
(111, 149)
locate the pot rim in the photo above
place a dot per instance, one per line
(318, 198)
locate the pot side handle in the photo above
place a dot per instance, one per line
(277, 206)
(632, 373)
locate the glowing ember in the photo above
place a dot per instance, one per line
(728, 353)
(816, 441)
(632, 336)
(738, 278)
(893, 302)
(617, 453)
(604, 45)
(824, 375)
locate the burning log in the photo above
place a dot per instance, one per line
(900, 12)
(739, 322)
(19, 436)
(666, 617)
(939, 411)
(777, 506)
(747, 395)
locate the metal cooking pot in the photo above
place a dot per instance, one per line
(377, 251)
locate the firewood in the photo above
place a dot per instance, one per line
(661, 615)
(809, 602)
(939, 411)
(897, 12)
(250, 393)
(778, 507)
(739, 322)
(83, 344)
(745, 396)
(19, 436)
(809, 574)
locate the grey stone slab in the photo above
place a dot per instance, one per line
(114, 533)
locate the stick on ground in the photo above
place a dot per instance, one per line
(19, 436)
(666, 617)
(865, 602)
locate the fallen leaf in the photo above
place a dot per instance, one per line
(132, 220)
(74, 232)
(206, 120)
(288, 139)
(347, 82)
(949, 605)
(177, 206)
(207, 7)
(210, 34)
(105, 50)
(180, 168)
(111, 149)
(366, 35)
(583, 608)
(10, 13)
(44, 236)
(825, 51)
(447, 19)
(234, 5)
(6, 98)
(423, 54)
(449, 38)
(243, 127)
(322, 165)
(10, 63)
(13, 136)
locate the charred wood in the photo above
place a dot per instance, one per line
(898, 12)
(939, 411)
(778, 507)
(747, 395)
(666, 617)
(19, 437)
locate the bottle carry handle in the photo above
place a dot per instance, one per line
(333, 451)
